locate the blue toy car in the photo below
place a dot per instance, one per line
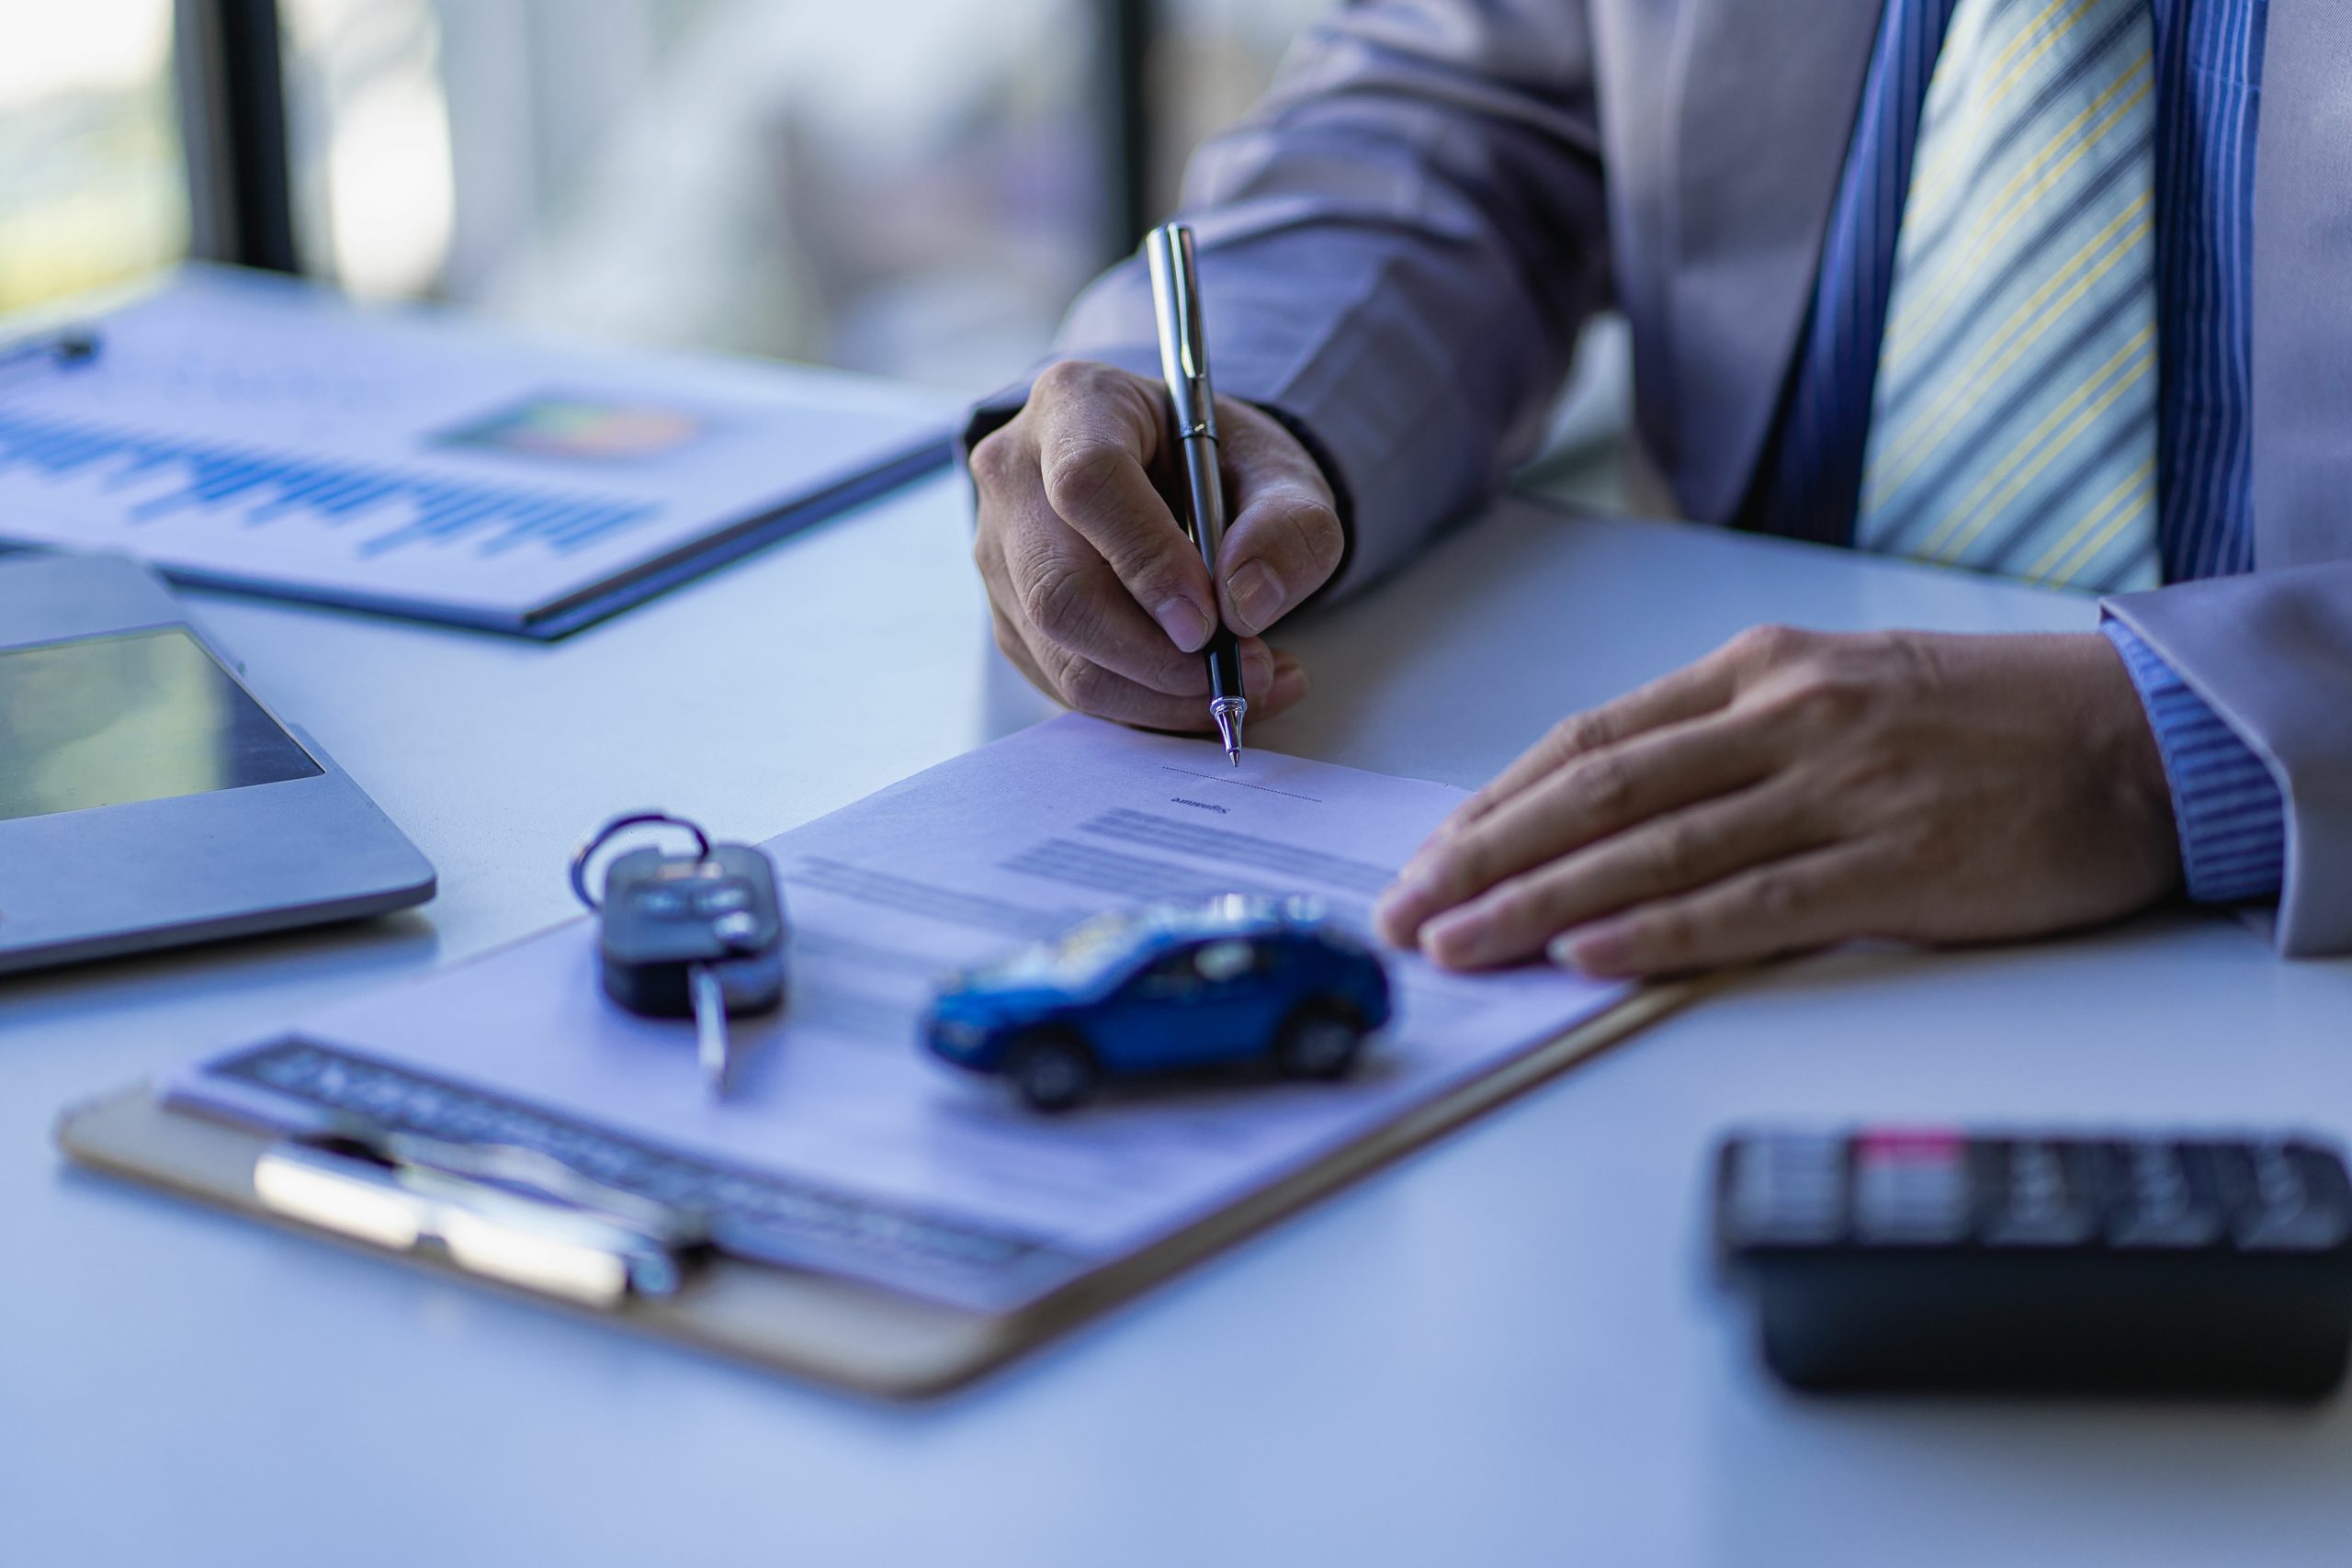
(1163, 989)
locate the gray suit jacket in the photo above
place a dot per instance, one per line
(1405, 239)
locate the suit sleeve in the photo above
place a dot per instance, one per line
(2270, 654)
(1397, 250)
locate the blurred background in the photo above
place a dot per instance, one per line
(912, 187)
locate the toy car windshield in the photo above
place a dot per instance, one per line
(1089, 950)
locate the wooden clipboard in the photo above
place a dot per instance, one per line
(838, 1331)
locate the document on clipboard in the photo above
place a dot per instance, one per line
(846, 1149)
(240, 430)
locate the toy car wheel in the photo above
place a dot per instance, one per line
(1319, 1041)
(1053, 1072)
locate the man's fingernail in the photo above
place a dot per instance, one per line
(1182, 620)
(1401, 907)
(1596, 950)
(1461, 932)
(1257, 596)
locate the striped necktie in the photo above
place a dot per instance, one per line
(2013, 427)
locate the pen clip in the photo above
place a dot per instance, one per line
(1183, 337)
(1192, 347)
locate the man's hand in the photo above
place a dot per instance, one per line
(1793, 789)
(1099, 599)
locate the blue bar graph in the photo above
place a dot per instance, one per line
(259, 489)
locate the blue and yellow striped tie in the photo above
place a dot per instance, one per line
(2014, 419)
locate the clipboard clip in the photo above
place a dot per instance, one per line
(496, 1210)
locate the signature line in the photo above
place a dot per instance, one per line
(1243, 784)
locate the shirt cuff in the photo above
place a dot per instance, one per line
(2227, 807)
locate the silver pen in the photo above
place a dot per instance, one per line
(1184, 364)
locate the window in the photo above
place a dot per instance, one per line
(1172, 976)
(917, 198)
(92, 185)
(1228, 959)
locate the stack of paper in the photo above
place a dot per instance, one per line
(249, 432)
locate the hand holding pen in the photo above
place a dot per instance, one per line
(1100, 597)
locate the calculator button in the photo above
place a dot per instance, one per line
(1911, 1187)
(2286, 1197)
(1787, 1188)
(723, 899)
(2045, 1194)
(2164, 1194)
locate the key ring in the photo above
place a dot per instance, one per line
(605, 834)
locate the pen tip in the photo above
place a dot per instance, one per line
(1227, 712)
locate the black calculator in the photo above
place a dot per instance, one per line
(1937, 1258)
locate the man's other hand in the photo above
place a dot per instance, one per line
(1098, 597)
(1795, 789)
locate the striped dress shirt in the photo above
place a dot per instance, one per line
(2208, 70)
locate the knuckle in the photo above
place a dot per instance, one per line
(1606, 785)
(1767, 645)
(997, 459)
(1317, 535)
(1460, 867)
(1514, 908)
(1087, 686)
(1057, 601)
(1579, 733)
(1823, 696)
(1676, 849)
(1776, 898)
(1077, 473)
(1152, 578)
(1064, 379)
(1478, 863)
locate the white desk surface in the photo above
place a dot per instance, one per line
(1504, 1351)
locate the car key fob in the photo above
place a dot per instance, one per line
(667, 914)
(696, 935)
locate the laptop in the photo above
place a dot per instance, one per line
(148, 798)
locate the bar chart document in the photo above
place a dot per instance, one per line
(242, 430)
(846, 1147)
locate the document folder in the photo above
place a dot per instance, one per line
(250, 433)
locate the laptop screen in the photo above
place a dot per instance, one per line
(139, 716)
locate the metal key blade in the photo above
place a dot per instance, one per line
(711, 1042)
